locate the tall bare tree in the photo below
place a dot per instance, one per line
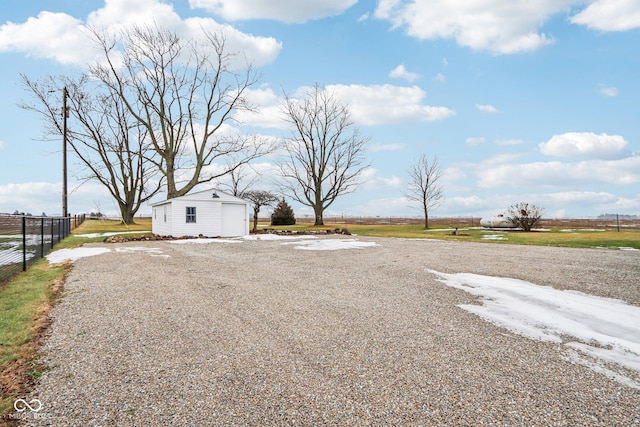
(183, 91)
(424, 184)
(110, 143)
(525, 215)
(324, 155)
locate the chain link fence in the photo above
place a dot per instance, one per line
(25, 239)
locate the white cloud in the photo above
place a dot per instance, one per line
(486, 108)
(2, 144)
(440, 78)
(65, 39)
(378, 104)
(467, 205)
(608, 91)
(501, 27)
(369, 105)
(396, 206)
(511, 141)
(610, 15)
(559, 175)
(55, 36)
(575, 144)
(474, 140)
(386, 147)
(282, 10)
(39, 197)
(363, 17)
(370, 180)
(400, 72)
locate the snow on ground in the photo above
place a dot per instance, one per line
(277, 237)
(150, 251)
(94, 235)
(330, 244)
(74, 254)
(312, 243)
(203, 241)
(493, 237)
(603, 329)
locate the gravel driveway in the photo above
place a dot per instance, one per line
(263, 333)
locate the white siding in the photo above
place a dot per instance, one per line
(212, 220)
(208, 221)
(234, 220)
(161, 221)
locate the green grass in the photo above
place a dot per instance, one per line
(551, 237)
(24, 302)
(92, 226)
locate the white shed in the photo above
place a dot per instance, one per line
(211, 213)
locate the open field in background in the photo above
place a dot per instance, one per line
(579, 233)
(594, 223)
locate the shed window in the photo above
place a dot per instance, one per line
(191, 214)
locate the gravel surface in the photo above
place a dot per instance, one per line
(262, 333)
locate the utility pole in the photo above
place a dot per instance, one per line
(65, 116)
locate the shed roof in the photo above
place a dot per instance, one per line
(212, 194)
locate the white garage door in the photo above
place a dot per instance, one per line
(234, 220)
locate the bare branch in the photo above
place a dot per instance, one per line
(324, 154)
(424, 185)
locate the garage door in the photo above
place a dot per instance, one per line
(234, 220)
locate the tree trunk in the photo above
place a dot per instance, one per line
(127, 215)
(256, 211)
(318, 212)
(426, 216)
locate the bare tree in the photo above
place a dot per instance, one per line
(324, 155)
(524, 215)
(424, 185)
(183, 91)
(110, 143)
(259, 198)
(240, 180)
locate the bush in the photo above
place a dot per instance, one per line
(525, 215)
(283, 214)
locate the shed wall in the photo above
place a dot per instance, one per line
(161, 220)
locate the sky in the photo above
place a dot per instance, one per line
(521, 101)
(600, 333)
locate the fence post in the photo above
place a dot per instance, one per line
(24, 243)
(41, 237)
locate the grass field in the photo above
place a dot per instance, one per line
(563, 233)
(26, 300)
(562, 237)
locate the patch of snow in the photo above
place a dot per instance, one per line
(606, 329)
(626, 248)
(270, 236)
(150, 251)
(574, 357)
(494, 237)
(94, 235)
(202, 241)
(74, 254)
(330, 244)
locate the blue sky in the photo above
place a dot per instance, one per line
(532, 100)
